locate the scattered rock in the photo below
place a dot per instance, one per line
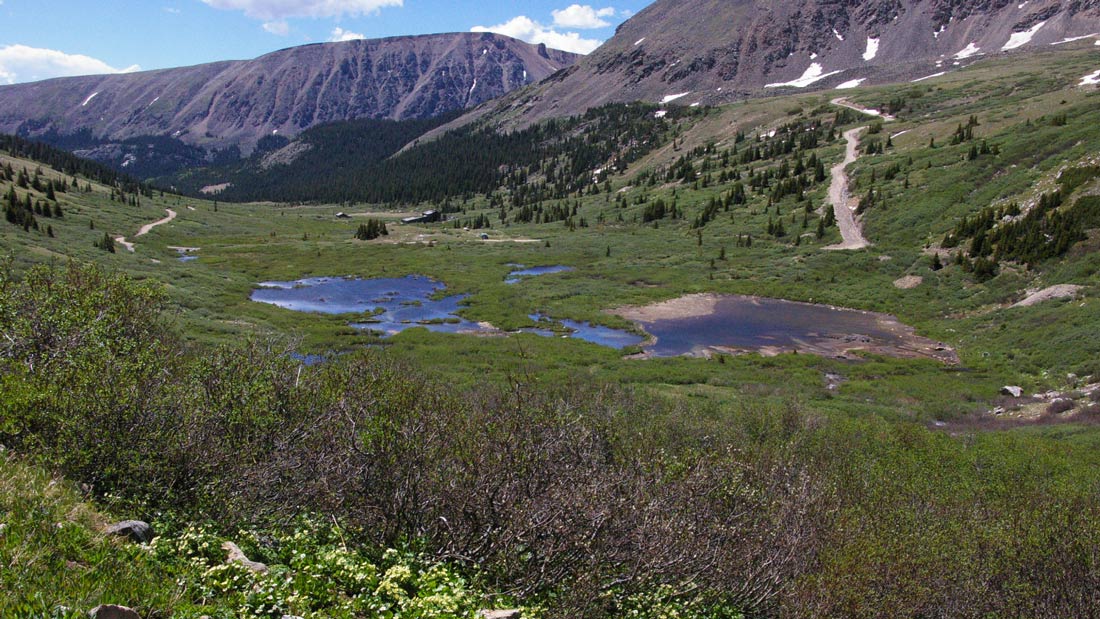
(236, 555)
(1012, 390)
(136, 530)
(834, 381)
(1061, 291)
(908, 282)
(110, 611)
(500, 614)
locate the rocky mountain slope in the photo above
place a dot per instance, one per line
(228, 104)
(717, 51)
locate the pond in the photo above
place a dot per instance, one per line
(522, 272)
(390, 305)
(596, 334)
(700, 325)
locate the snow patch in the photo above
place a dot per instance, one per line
(671, 98)
(851, 84)
(899, 134)
(1090, 79)
(696, 104)
(838, 35)
(484, 52)
(928, 77)
(771, 134)
(639, 42)
(968, 51)
(1072, 39)
(813, 74)
(936, 34)
(1019, 39)
(872, 50)
(660, 113)
(89, 99)
(525, 75)
(813, 56)
(469, 94)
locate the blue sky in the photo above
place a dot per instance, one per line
(40, 39)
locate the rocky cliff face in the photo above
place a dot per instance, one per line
(715, 51)
(237, 103)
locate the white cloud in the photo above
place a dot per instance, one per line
(339, 35)
(20, 63)
(280, 28)
(276, 10)
(167, 9)
(582, 16)
(526, 29)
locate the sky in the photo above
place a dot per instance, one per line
(40, 39)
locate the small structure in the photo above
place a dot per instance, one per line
(427, 217)
(342, 215)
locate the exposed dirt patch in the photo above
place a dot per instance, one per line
(690, 306)
(212, 190)
(908, 282)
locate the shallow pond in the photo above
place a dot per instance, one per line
(596, 334)
(521, 272)
(700, 325)
(393, 304)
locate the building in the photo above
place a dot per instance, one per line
(427, 217)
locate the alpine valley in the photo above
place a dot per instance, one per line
(761, 309)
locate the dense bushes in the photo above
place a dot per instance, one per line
(587, 500)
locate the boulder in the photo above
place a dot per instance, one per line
(1012, 390)
(136, 530)
(236, 555)
(110, 611)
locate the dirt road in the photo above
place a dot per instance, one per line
(843, 205)
(147, 227)
(129, 245)
(842, 102)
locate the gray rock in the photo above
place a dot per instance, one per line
(236, 555)
(1012, 390)
(136, 530)
(500, 614)
(111, 611)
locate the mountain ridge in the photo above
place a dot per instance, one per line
(236, 103)
(712, 52)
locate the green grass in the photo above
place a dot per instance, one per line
(245, 244)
